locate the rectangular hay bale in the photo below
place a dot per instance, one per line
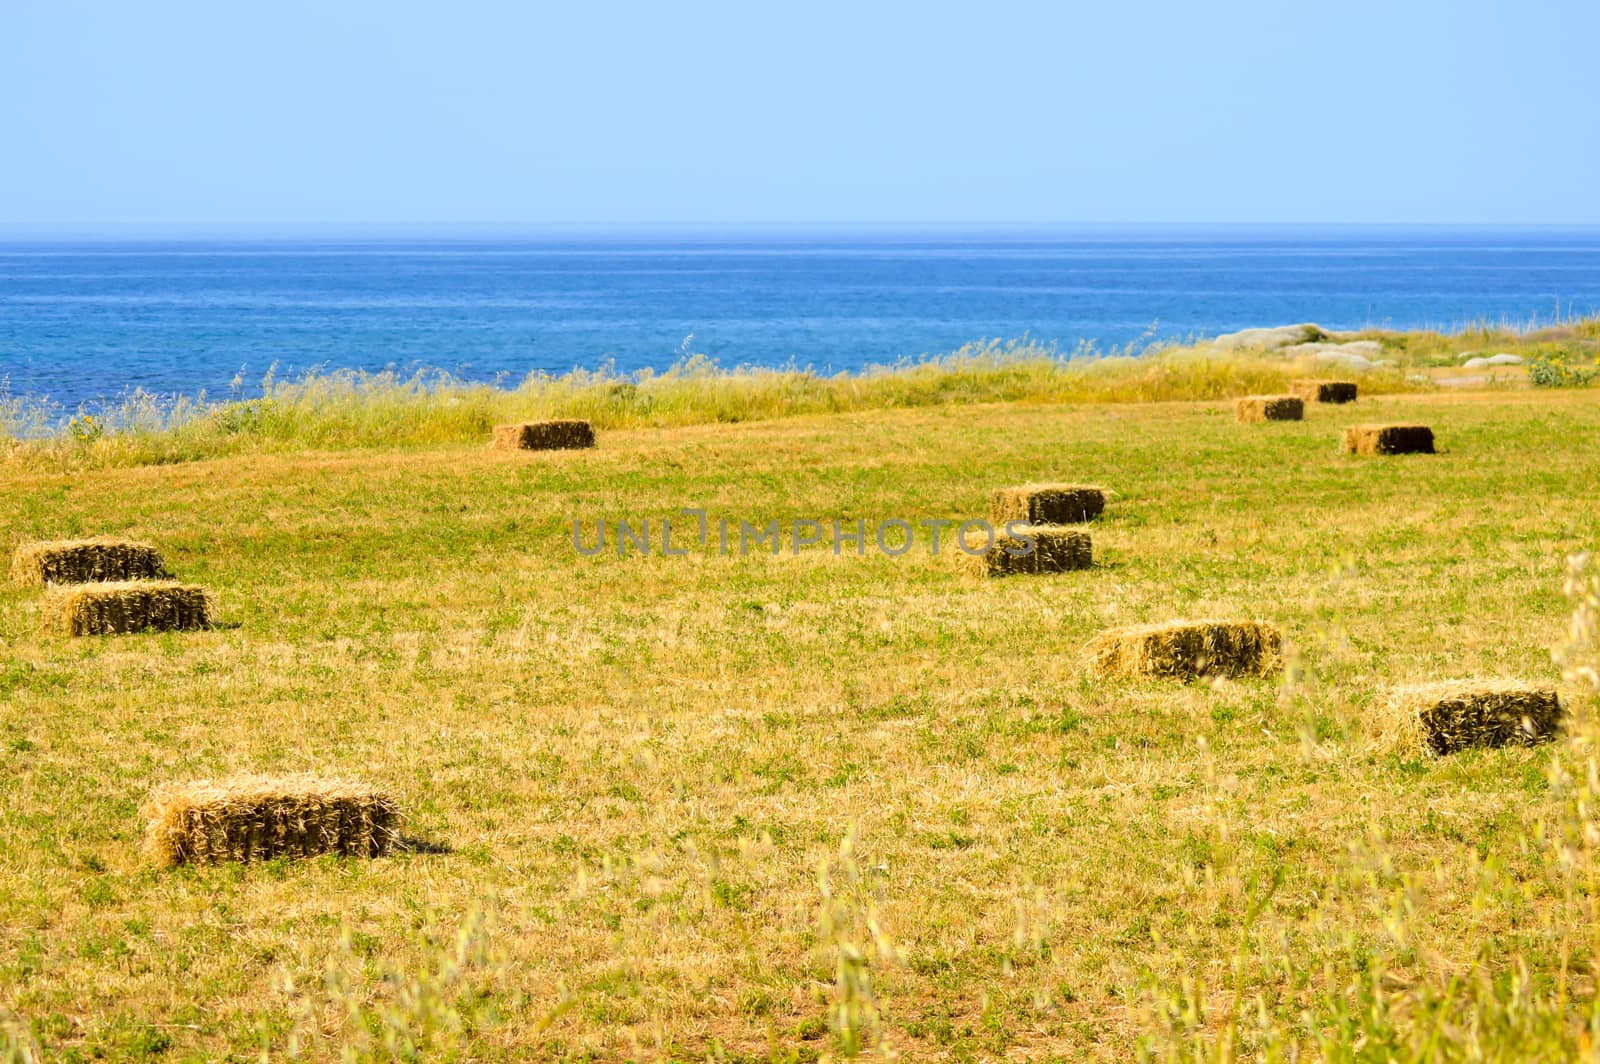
(1053, 550)
(1314, 391)
(1046, 504)
(1388, 439)
(77, 561)
(1187, 649)
(114, 608)
(562, 435)
(254, 818)
(1269, 408)
(1447, 716)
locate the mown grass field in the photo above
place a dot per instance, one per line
(677, 790)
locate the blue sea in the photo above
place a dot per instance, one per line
(81, 321)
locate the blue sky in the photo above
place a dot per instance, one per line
(347, 114)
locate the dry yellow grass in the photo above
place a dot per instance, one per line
(118, 607)
(1046, 504)
(562, 435)
(643, 764)
(1253, 408)
(1447, 716)
(74, 561)
(1388, 439)
(1187, 649)
(1318, 391)
(255, 818)
(1034, 549)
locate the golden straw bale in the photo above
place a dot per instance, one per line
(1269, 408)
(544, 436)
(127, 606)
(1046, 504)
(1388, 439)
(1034, 549)
(254, 818)
(76, 561)
(1187, 649)
(1314, 391)
(1452, 715)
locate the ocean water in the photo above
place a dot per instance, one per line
(88, 320)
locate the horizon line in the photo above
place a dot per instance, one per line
(90, 232)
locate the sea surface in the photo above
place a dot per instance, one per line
(82, 321)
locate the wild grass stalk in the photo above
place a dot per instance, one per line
(849, 926)
(428, 1013)
(17, 1043)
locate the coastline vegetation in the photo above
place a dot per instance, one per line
(346, 409)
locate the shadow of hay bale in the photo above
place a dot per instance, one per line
(412, 844)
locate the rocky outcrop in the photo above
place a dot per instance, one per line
(1307, 341)
(1271, 339)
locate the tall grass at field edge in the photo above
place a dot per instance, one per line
(352, 409)
(348, 409)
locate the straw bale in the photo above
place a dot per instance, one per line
(1315, 391)
(1269, 408)
(1451, 715)
(545, 436)
(253, 818)
(127, 606)
(1388, 439)
(76, 561)
(1053, 550)
(1046, 504)
(1187, 649)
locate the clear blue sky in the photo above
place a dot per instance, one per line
(350, 113)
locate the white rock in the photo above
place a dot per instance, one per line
(1367, 349)
(1270, 339)
(1357, 354)
(1349, 361)
(1503, 359)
